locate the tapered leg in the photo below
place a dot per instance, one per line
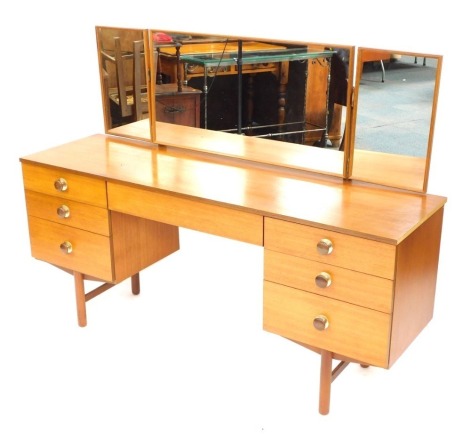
(80, 298)
(325, 381)
(135, 284)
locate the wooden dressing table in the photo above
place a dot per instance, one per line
(349, 268)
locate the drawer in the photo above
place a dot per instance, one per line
(353, 331)
(180, 110)
(260, 67)
(67, 185)
(193, 70)
(363, 255)
(68, 212)
(91, 253)
(187, 213)
(344, 284)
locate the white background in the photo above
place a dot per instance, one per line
(188, 357)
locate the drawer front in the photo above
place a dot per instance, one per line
(349, 252)
(333, 281)
(187, 213)
(353, 331)
(180, 110)
(91, 253)
(67, 185)
(193, 70)
(67, 212)
(260, 67)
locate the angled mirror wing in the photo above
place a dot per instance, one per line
(395, 108)
(122, 62)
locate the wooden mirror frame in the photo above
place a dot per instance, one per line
(285, 154)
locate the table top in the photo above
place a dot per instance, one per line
(210, 54)
(328, 202)
(255, 57)
(369, 166)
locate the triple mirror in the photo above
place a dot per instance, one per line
(365, 114)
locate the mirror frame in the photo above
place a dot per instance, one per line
(290, 155)
(286, 155)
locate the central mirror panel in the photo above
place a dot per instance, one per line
(292, 93)
(249, 87)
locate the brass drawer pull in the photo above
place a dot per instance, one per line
(174, 109)
(63, 211)
(323, 280)
(321, 322)
(66, 247)
(325, 247)
(60, 185)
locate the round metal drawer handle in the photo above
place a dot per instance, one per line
(323, 280)
(325, 247)
(66, 247)
(321, 322)
(60, 184)
(63, 211)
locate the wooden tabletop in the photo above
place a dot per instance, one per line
(325, 201)
(261, 150)
(392, 170)
(222, 47)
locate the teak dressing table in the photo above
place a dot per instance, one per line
(350, 267)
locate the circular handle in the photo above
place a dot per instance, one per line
(323, 280)
(63, 211)
(66, 247)
(321, 322)
(325, 247)
(60, 184)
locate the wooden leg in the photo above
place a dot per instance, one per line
(80, 298)
(327, 377)
(135, 284)
(325, 381)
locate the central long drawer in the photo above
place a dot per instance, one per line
(186, 212)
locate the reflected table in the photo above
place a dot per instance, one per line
(220, 58)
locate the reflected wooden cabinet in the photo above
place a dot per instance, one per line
(178, 107)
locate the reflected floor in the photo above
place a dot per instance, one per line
(394, 115)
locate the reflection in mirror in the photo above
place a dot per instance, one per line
(294, 96)
(396, 99)
(295, 93)
(123, 80)
(259, 88)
